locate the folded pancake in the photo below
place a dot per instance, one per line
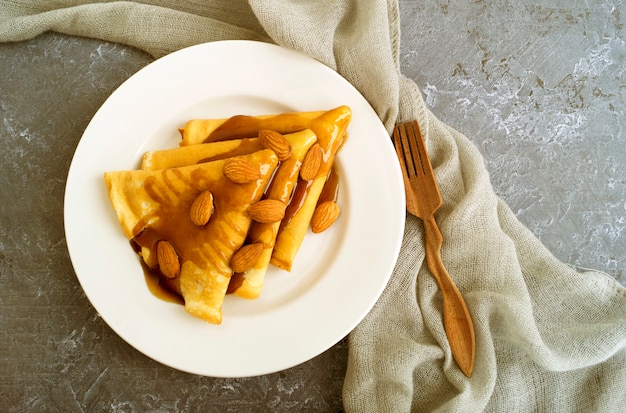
(243, 126)
(250, 283)
(155, 206)
(190, 155)
(329, 127)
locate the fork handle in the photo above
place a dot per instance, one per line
(457, 320)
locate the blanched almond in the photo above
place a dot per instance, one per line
(202, 209)
(167, 258)
(275, 141)
(267, 211)
(312, 162)
(241, 171)
(324, 216)
(246, 257)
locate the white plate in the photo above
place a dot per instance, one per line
(338, 275)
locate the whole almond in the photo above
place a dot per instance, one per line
(246, 256)
(202, 209)
(324, 216)
(241, 170)
(312, 162)
(275, 141)
(267, 211)
(167, 258)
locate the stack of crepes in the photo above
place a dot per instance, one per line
(238, 194)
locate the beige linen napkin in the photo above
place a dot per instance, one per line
(549, 338)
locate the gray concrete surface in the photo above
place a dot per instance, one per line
(538, 86)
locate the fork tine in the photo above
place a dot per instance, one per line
(401, 144)
(426, 169)
(397, 144)
(406, 149)
(413, 147)
(404, 154)
(417, 147)
(424, 192)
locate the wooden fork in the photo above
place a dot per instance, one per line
(422, 200)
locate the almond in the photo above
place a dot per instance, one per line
(202, 209)
(267, 211)
(312, 163)
(168, 259)
(275, 141)
(324, 215)
(241, 171)
(246, 257)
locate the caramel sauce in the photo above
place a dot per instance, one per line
(330, 191)
(243, 126)
(146, 238)
(236, 281)
(297, 200)
(158, 288)
(236, 127)
(171, 222)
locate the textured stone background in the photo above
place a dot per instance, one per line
(540, 89)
